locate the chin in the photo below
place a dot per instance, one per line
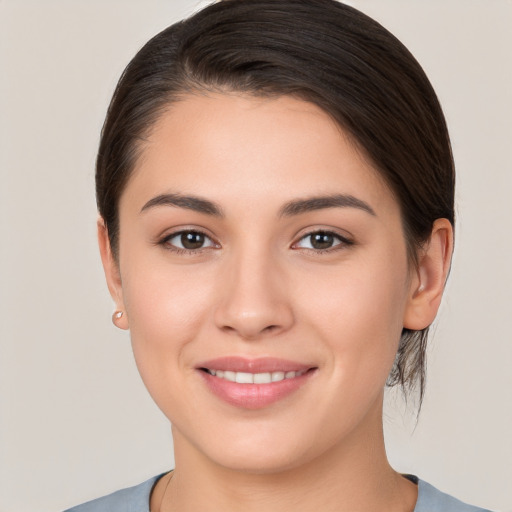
(264, 462)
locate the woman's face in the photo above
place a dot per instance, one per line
(264, 279)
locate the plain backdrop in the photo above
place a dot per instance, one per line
(75, 419)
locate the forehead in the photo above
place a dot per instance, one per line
(241, 148)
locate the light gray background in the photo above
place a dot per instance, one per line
(76, 421)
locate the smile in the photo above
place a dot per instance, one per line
(254, 378)
(254, 383)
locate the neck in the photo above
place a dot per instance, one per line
(353, 475)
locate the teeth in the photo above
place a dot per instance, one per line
(277, 376)
(262, 378)
(231, 376)
(254, 378)
(244, 378)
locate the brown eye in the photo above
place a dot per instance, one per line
(188, 241)
(322, 240)
(192, 240)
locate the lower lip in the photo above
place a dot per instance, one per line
(254, 396)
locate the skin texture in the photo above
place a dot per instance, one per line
(258, 288)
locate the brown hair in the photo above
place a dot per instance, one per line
(321, 51)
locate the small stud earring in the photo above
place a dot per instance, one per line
(420, 288)
(116, 316)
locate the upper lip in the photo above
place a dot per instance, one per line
(259, 365)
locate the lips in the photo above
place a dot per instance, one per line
(253, 383)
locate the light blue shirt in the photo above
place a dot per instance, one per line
(136, 499)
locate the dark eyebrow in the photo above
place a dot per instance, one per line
(309, 204)
(181, 201)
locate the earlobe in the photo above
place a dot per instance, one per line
(112, 275)
(428, 284)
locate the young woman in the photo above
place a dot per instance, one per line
(275, 186)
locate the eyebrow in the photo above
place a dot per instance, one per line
(295, 207)
(189, 202)
(299, 206)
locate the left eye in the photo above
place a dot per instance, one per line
(321, 240)
(189, 240)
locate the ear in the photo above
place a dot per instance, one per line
(427, 285)
(112, 274)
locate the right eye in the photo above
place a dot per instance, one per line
(322, 241)
(187, 241)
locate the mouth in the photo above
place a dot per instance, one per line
(254, 378)
(254, 383)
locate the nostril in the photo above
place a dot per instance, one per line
(250, 317)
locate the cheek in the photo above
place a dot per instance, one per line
(162, 309)
(359, 312)
(166, 308)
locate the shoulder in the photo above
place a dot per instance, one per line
(132, 499)
(431, 499)
(136, 499)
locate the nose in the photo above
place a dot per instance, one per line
(254, 302)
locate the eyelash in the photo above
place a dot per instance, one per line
(343, 242)
(165, 242)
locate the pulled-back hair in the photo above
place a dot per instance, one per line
(321, 51)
